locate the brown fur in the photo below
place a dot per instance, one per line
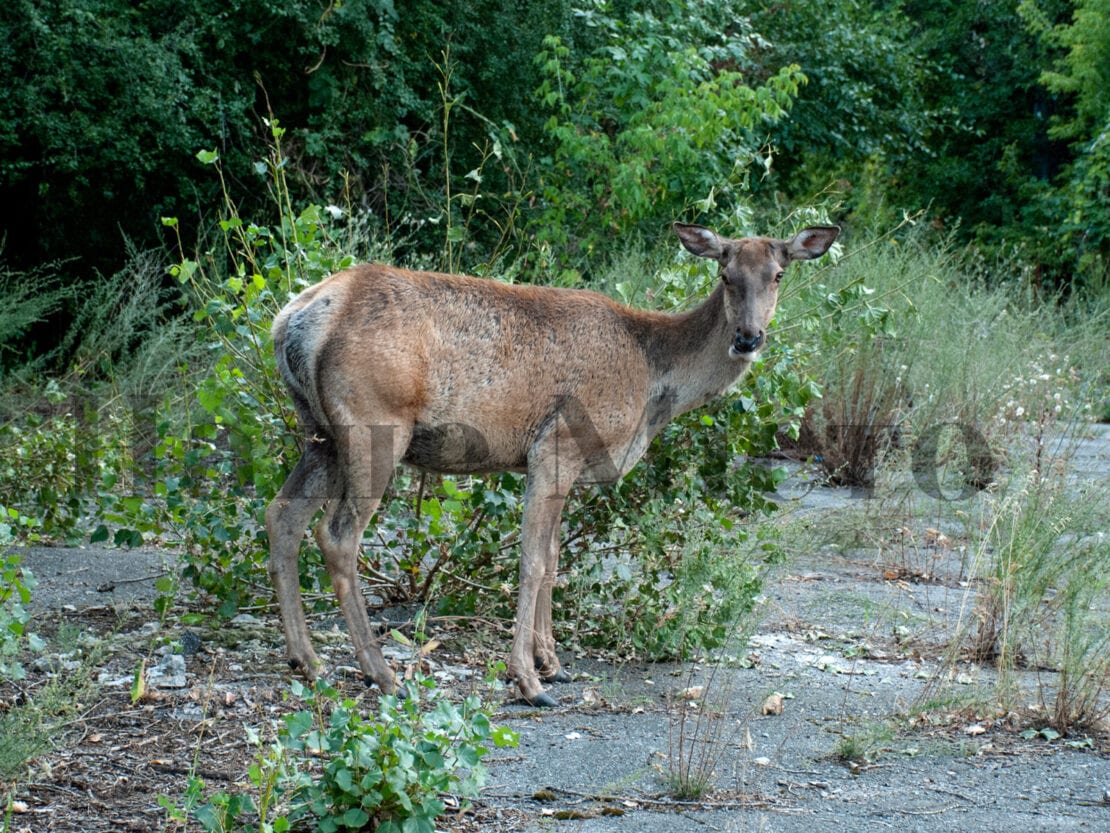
(458, 374)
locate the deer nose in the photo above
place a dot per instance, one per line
(747, 343)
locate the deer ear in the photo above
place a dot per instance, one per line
(812, 242)
(699, 241)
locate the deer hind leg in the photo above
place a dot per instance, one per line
(287, 517)
(368, 456)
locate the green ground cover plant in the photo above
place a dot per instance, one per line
(339, 765)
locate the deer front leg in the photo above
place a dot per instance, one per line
(546, 659)
(549, 479)
(522, 656)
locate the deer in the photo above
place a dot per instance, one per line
(462, 375)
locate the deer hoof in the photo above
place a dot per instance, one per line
(398, 691)
(543, 700)
(308, 670)
(560, 676)
(390, 688)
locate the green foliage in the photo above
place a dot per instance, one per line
(110, 99)
(345, 771)
(863, 103)
(214, 473)
(16, 584)
(1075, 209)
(652, 119)
(1083, 70)
(988, 151)
(394, 768)
(894, 385)
(39, 471)
(211, 474)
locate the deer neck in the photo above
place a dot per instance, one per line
(692, 362)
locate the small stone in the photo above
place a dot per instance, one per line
(168, 673)
(246, 620)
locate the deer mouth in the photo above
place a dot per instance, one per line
(745, 347)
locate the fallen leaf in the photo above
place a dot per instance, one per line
(694, 692)
(773, 704)
(937, 538)
(571, 815)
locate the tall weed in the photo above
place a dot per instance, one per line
(944, 378)
(1043, 562)
(26, 299)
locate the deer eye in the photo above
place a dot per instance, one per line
(778, 278)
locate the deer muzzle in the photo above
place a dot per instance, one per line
(746, 345)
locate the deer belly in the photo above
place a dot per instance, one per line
(461, 448)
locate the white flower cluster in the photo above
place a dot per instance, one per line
(1040, 392)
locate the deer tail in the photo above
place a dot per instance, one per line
(298, 333)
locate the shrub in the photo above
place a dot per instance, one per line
(930, 368)
(346, 771)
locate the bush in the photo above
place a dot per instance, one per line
(932, 361)
(453, 538)
(345, 771)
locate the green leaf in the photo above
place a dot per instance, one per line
(355, 818)
(505, 737)
(299, 723)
